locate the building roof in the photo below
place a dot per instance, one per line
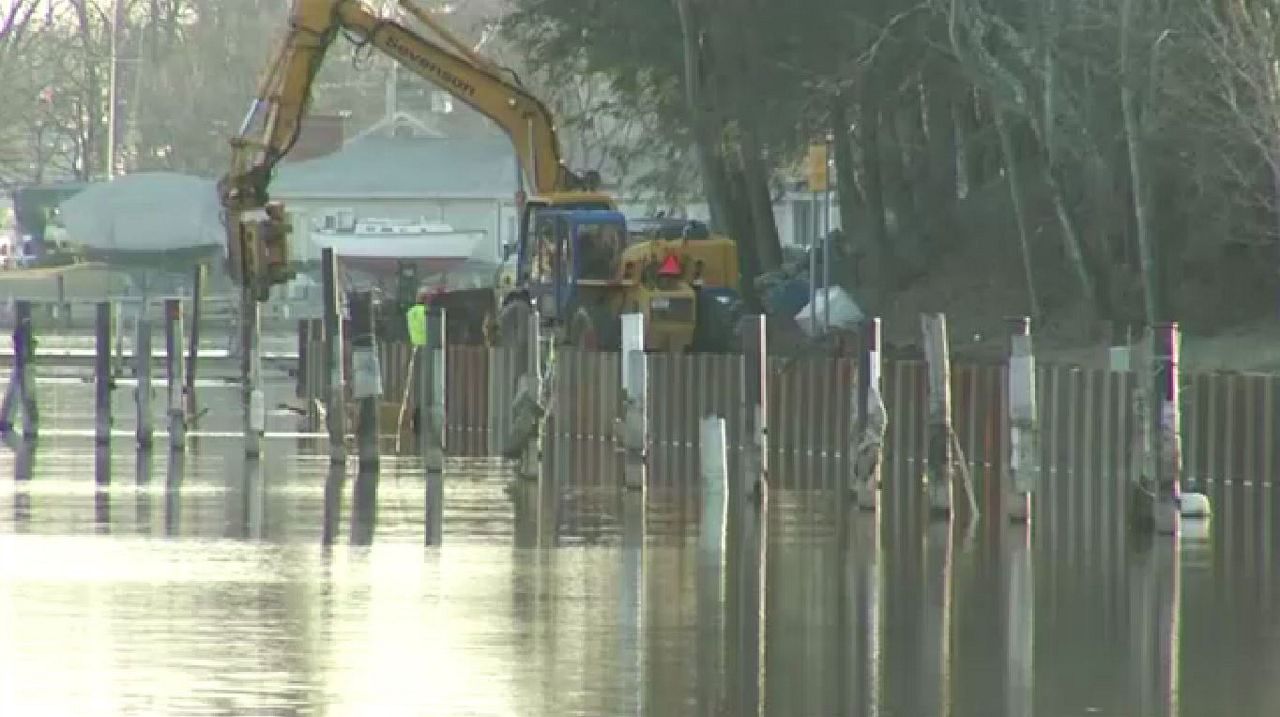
(383, 167)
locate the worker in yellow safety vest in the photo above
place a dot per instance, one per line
(417, 318)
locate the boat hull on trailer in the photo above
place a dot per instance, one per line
(434, 253)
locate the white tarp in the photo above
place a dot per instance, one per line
(146, 212)
(845, 312)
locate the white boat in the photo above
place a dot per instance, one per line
(378, 245)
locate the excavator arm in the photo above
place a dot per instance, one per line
(256, 228)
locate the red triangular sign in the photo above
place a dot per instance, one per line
(670, 266)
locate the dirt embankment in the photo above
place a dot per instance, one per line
(1229, 309)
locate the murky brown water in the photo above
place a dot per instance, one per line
(205, 591)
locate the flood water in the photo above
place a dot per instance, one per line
(197, 586)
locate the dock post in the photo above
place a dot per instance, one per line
(1167, 428)
(1022, 465)
(142, 369)
(103, 378)
(366, 378)
(22, 380)
(432, 366)
(714, 463)
(635, 397)
(301, 378)
(755, 394)
(30, 408)
(173, 335)
(64, 306)
(868, 444)
(118, 334)
(940, 464)
(335, 410)
(252, 397)
(193, 344)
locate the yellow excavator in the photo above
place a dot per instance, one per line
(576, 262)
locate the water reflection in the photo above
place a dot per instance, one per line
(102, 488)
(364, 507)
(173, 493)
(792, 607)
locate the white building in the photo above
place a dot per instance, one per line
(467, 183)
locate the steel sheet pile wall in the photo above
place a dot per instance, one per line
(467, 401)
(1086, 417)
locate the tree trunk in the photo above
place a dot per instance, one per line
(972, 137)
(696, 96)
(1013, 175)
(850, 199)
(1133, 136)
(877, 232)
(767, 245)
(93, 89)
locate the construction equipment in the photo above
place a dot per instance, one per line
(573, 260)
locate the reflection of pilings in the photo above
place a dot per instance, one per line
(364, 508)
(524, 499)
(1019, 625)
(631, 591)
(334, 484)
(142, 503)
(554, 470)
(861, 690)
(255, 500)
(711, 601)
(935, 651)
(24, 463)
(744, 604)
(102, 484)
(142, 464)
(1154, 625)
(173, 494)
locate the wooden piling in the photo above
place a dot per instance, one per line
(1022, 461)
(193, 343)
(528, 408)
(103, 379)
(867, 445)
(940, 465)
(142, 392)
(366, 381)
(755, 394)
(431, 421)
(64, 307)
(173, 335)
(635, 401)
(253, 399)
(335, 384)
(27, 376)
(1168, 441)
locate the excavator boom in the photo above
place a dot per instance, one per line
(256, 230)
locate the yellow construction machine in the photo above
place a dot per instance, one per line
(575, 260)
